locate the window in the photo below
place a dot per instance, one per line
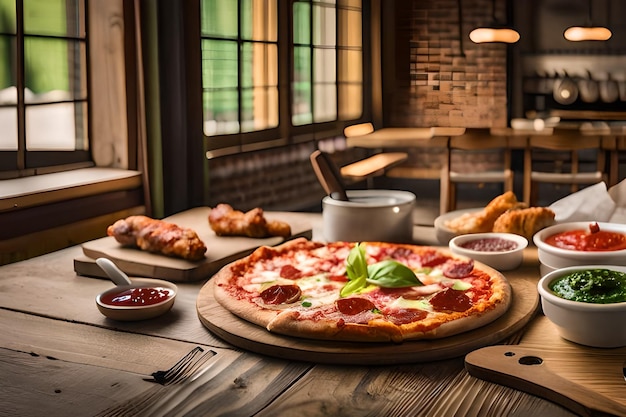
(328, 61)
(243, 44)
(239, 65)
(43, 85)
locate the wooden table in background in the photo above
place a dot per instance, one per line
(405, 137)
(59, 357)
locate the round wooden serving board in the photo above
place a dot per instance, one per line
(248, 336)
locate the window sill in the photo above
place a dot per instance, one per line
(20, 193)
(49, 212)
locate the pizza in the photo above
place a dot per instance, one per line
(361, 292)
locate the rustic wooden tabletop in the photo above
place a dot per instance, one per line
(59, 356)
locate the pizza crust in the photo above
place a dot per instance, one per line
(287, 323)
(287, 319)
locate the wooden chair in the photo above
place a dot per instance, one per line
(373, 166)
(472, 147)
(561, 152)
(615, 145)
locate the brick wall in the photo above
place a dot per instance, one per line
(275, 179)
(452, 82)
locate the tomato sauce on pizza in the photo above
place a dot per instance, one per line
(364, 292)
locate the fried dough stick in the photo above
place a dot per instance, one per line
(158, 236)
(225, 221)
(483, 221)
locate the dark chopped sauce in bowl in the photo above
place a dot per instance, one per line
(491, 244)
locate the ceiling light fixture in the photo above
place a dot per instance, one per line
(587, 33)
(494, 33)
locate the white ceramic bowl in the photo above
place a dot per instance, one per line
(545, 269)
(139, 312)
(502, 260)
(590, 324)
(444, 234)
(555, 258)
(370, 215)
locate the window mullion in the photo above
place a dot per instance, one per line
(21, 85)
(312, 59)
(337, 61)
(239, 67)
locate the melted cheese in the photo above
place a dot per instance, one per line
(412, 304)
(318, 290)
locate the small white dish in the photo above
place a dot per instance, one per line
(501, 251)
(156, 305)
(589, 324)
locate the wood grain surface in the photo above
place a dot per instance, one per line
(221, 250)
(583, 379)
(60, 356)
(257, 339)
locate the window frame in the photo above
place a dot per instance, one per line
(23, 162)
(286, 133)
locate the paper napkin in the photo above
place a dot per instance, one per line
(593, 203)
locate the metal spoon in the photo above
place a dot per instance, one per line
(113, 272)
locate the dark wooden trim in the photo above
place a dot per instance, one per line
(130, 58)
(21, 84)
(181, 104)
(35, 219)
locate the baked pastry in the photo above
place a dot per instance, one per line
(483, 221)
(226, 221)
(158, 236)
(524, 222)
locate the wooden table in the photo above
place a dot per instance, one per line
(405, 137)
(60, 357)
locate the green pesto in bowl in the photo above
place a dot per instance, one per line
(600, 286)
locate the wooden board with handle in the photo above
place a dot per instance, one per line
(588, 381)
(221, 250)
(257, 339)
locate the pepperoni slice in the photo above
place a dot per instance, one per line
(455, 268)
(405, 316)
(450, 300)
(354, 305)
(290, 272)
(432, 258)
(281, 294)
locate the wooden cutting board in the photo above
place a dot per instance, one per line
(255, 338)
(583, 379)
(221, 250)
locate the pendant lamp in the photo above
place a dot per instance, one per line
(494, 33)
(587, 33)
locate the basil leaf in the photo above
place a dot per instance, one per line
(391, 274)
(356, 269)
(356, 264)
(353, 286)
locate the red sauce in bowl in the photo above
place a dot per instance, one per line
(136, 297)
(588, 241)
(491, 244)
